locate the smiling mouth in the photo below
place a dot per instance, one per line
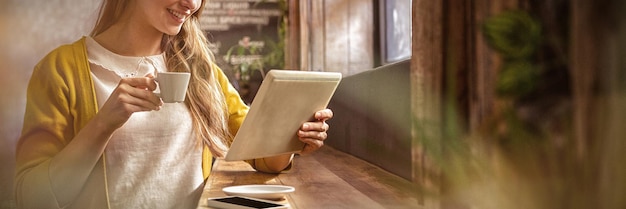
(178, 15)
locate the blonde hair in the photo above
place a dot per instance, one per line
(188, 51)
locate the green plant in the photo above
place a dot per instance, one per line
(516, 36)
(246, 58)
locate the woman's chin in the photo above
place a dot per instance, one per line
(172, 31)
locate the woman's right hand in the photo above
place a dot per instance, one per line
(131, 95)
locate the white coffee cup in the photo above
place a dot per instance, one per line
(173, 86)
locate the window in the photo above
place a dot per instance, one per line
(395, 30)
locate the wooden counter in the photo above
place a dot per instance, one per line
(325, 179)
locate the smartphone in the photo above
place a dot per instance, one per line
(237, 202)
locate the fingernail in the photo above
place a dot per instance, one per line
(305, 126)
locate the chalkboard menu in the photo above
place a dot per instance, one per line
(245, 36)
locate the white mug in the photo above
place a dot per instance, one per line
(173, 86)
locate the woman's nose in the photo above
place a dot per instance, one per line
(191, 4)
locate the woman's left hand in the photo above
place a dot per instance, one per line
(314, 133)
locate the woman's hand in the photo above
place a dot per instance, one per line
(131, 95)
(314, 133)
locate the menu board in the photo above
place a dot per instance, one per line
(244, 35)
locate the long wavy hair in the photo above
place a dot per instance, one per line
(188, 51)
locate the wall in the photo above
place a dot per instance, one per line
(28, 30)
(372, 117)
(337, 35)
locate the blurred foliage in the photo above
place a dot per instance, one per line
(518, 77)
(523, 153)
(516, 36)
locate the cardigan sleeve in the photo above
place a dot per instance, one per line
(60, 100)
(237, 109)
(46, 130)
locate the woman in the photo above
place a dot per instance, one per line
(96, 136)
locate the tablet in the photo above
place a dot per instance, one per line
(285, 100)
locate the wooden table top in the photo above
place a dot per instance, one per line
(327, 178)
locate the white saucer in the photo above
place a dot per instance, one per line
(261, 191)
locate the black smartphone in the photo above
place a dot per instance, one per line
(236, 202)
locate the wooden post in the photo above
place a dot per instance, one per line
(292, 45)
(305, 39)
(584, 50)
(426, 83)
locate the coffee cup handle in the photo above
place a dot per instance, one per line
(156, 79)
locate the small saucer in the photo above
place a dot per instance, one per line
(262, 191)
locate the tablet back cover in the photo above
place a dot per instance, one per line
(285, 100)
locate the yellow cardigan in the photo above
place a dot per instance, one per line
(61, 99)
